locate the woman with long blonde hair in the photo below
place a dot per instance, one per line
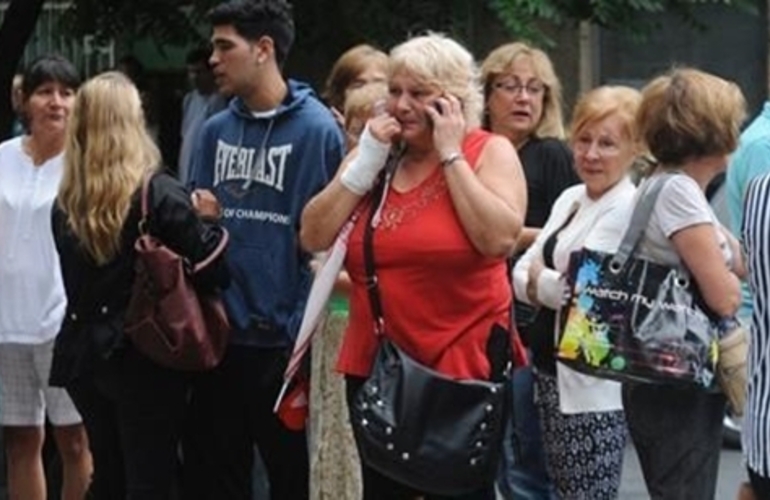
(132, 407)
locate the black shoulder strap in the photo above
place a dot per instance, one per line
(378, 196)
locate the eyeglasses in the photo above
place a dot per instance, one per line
(514, 88)
(603, 146)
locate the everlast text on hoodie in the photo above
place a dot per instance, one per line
(264, 168)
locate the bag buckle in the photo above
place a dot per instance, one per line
(379, 326)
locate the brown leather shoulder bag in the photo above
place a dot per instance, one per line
(168, 320)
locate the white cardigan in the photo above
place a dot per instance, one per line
(598, 225)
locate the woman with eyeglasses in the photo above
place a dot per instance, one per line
(581, 417)
(523, 103)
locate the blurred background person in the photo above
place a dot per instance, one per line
(524, 104)
(584, 430)
(456, 202)
(198, 104)
(361, 105)
(335, 472)
(751, 159)
(132, 407)
(690, 121)
(17, 128)
(133, 68)
(355, 68)
(32, 295)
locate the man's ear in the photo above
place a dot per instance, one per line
(265, 48)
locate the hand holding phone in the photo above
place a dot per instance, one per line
(448, 121)
(437, 107)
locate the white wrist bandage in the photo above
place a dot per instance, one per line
(362, 170)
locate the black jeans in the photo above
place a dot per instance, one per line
(760, 485)
(379, 487)
(133, 412)
(231, 410)
(678, 438)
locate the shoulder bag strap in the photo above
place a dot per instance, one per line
(223, 240)
(144, 225)
(378, 198)
(144, 203)
(639, 221)
(372, 287)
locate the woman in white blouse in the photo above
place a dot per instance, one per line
(584, 428)
(32, 298)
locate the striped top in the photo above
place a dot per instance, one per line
(755, 231)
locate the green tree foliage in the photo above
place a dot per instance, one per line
(164, 21)
(178, 21)
(384, 21)
(627, 16)
(327, 27)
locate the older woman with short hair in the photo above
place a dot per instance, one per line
(690, 121)
(452, 215)
(359, 65)
(584, 430)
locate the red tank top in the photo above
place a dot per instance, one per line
(440, 297)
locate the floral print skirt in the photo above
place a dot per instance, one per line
(584, 451)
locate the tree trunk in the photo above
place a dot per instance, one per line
(18, 25)
(588, 55)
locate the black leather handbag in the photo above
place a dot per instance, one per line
(424, 429)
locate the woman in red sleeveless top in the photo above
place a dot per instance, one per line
(452, 215)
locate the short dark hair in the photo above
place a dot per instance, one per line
(49, 68)
(253, 19)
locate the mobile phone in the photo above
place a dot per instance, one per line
(435, 105)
